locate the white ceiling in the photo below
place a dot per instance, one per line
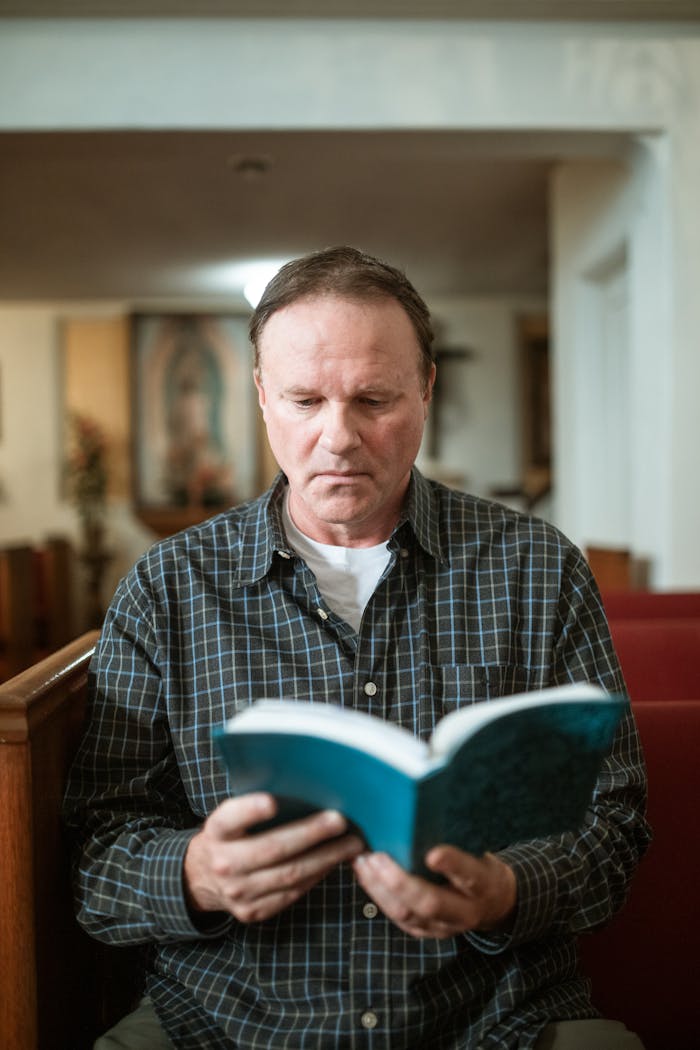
(157, 215)
(145, 216)
(585, 10)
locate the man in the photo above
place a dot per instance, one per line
(354, 581)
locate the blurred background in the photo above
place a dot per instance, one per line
(533, 166)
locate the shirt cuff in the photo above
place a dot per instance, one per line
(166, 893)
(537, 879)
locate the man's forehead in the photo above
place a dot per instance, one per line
(308, 307)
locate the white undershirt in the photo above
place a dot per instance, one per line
(346, 576)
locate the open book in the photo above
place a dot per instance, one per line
(492, 774)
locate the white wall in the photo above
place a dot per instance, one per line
(480, 413)
(613, 368)
(379, 74)
(29, 448)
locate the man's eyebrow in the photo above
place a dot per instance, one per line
(376, 390)
(299, 390)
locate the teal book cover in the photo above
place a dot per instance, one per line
(493, 773)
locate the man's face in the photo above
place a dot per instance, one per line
(344, 401)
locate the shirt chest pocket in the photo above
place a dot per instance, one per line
(449, 686)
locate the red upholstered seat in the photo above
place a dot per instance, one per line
(644, 964)
(660, 658)
(648, 605)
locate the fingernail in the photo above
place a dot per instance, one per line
(372, 861)
(334, 819)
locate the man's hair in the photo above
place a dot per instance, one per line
(349, 274)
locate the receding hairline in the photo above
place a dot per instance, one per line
(348, 273)
(372, 297)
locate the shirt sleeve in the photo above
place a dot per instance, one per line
(575, 882)
(125, 804)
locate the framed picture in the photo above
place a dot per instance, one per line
(194, 414)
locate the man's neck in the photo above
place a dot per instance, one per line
(369, 533)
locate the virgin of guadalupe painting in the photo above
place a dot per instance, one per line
(194, 411)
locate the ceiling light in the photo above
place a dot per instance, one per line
(245, 279)
(259, 276)
(251, 167)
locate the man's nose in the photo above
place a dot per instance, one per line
(339, 433)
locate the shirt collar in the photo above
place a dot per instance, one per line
(263, 535)
(422, 514)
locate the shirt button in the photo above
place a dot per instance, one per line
(284, 554)
(404, 552)
(322, 613)
(370, 910)
(369, 1019)
(370, 688)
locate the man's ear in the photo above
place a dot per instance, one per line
(428, 392)
(257, 379)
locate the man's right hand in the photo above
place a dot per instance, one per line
(255, 876)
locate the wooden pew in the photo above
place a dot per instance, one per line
(37, 607)
(59, 988)
(17, 637)
(611, 566)
(55, 569)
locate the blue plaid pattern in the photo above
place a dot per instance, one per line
(476, 602)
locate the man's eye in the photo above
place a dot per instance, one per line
(372, 402)
(305, 402)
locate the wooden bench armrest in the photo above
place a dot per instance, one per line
(41, 715)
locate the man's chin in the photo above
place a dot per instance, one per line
(342, 504)
(342, 511)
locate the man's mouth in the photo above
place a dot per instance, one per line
(340, 475)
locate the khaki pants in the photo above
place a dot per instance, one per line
(141, 1030)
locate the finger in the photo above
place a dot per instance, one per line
(234, 816)
(392, 888)
(268, 849)
(302, 868)
(486, 883)
(463, 870)
(261, 908)
(411, 902)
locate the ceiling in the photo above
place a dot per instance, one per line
(583, 10)
(150, 216)
(147, 216)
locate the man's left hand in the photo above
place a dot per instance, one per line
(480, 892)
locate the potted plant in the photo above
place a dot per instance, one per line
(86, 477)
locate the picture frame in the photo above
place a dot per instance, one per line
(194, 425)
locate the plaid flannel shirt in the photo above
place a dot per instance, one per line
(477, 602)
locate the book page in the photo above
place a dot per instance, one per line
(386, 740)
(462, 723)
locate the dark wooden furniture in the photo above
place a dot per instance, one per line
(612, 567)
(37, 608)
(17, 598)
(56, 988)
